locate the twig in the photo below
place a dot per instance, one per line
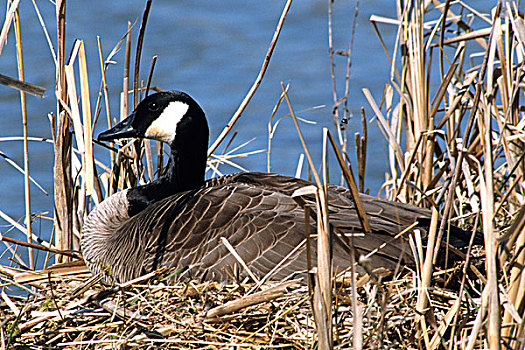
(138, 52)
(13, 6)
(22, 86)
(266, 295)
(150, 75)
(39, 246)
(232, 251)
(350, 180)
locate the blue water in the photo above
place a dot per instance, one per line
(212, 50)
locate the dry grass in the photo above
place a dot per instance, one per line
(454, 131)
(65, 309)
(462, 139)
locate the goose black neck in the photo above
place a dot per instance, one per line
(181, 174)
(185, 169)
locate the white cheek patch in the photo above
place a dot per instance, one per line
(164, 127)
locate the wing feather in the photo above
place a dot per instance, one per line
(257, 215)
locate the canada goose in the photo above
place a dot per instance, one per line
(179, 219)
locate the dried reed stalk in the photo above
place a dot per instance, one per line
(361, 148)
(89, 171)
(10, 13)
(341, 101)
(22, 86)
(348, 174)
(454, 137)
(322, 297)
(138, 52)
(62, 140)
(23, 104)
(106, 93)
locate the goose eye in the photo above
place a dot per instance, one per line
(153, 107)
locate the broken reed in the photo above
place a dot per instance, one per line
(462, 149)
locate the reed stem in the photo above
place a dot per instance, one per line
(62, 167)
(23, 105)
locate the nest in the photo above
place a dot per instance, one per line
(65, 307)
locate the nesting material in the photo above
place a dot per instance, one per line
(64, 309)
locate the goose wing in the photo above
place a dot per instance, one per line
(385, 217)
(262, 226)
(258, 217)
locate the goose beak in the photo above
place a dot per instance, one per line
(124, 129)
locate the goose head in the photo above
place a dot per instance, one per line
(167, 116)
(175, 118)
